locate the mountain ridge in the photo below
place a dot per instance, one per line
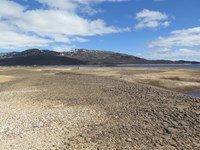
(76, 57)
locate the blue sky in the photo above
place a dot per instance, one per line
(153, 29)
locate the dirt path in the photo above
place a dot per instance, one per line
(47, 110)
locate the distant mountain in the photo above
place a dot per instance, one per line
(76, 57)
(95, 57)
(29, 52)
(36, 52)
(37, 57)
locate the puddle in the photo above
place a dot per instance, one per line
(194, 93)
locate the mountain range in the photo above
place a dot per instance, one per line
(76, 57)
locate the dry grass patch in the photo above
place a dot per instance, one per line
(5, 78)
(171, 79)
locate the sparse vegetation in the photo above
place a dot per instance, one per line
(180, 80)
(173, 78)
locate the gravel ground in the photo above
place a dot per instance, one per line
(41, 110)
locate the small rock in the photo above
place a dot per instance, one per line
(167, 130)
(156, 145)
(166, 137)
(129, 140)
(116, 117)
(175, 123)
(82, 135)
(21, 135)
(76, 146)
(173, 143)
(87, 139)
(183, 123)
(136, 138)
(165, 124)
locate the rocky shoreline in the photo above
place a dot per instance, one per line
(43, 109)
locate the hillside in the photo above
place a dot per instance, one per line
(37, 57)
(76, 57)
(103, 57)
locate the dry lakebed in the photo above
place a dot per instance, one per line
(98, 109)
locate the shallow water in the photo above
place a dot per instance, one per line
(194, 93)
(187, 66)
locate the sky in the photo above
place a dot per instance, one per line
(152, 29)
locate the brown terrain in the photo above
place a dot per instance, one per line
(98, 109)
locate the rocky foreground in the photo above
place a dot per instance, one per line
(47, 110)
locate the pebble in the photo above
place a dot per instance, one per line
(167, 130)
(87, 139)
(129, 140)
(136, 138)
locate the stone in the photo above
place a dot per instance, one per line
(166, 130)
(129, 140)
(87, 139)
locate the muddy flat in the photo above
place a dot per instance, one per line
(69, 109)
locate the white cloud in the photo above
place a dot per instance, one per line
(78, 39)
(187, 37)
(19, 40)
(169, 54)
(67, 5)
(90, 11)
(55, 22)
(151, 19)
(10, 9)
(97, 1)
(180, 45)
(10, 38)
(72, 5)
(45, 22)
(64, 47)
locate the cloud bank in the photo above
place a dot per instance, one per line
(151, 19)
(180, 44)
(186, 37)
(53, 22)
